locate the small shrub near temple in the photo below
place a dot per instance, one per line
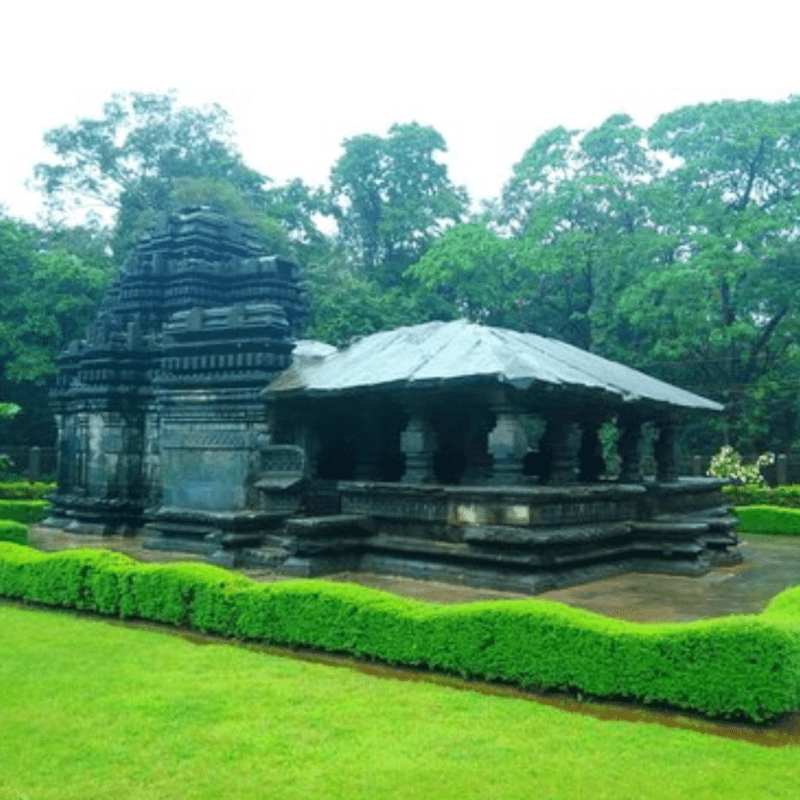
(742, 665)
(728, 464)
(27, 511)
(24, 490)
(755, 495)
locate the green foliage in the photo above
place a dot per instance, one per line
(391, 198)
(769, 519)
(722, 311)
(740, 665)
(24, 489)
(784, 496)
(27, 511)
(148, 154)
(476, 273)
(346, 303)
(9, 410)
(49, 294)
(727, 463)
(11, 531)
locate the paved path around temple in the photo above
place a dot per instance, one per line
(771, 564)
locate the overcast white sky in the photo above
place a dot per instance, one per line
(299, 76)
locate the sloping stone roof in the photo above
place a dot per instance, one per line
(438, 353)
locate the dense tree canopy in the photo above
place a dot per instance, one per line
(391, 198)
(50, 284)
(675, 249)
(149, 154)
(721, 312)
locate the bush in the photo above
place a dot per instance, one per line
(785, 496)
(11, 531)
(24, 489)
(727, 463)
(769, 519)
(27, 511)
(738, 665)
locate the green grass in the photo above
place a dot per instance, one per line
(769, 519)
(94, 711)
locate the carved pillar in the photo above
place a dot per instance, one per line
(507, 445)
(629, 446)
(666, 451)
(590, 454)
(418, 444)
(560, 444)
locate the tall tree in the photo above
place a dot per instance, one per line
(392, 197)
(569, 229)
(51, 283)
(50, 294)
(148, 154)
(721, 313)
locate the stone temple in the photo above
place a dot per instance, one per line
(195, 415)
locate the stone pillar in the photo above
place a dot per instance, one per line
(418, 444)
(561, 443)
(666, 452)
(629, 446)
(590, 454)
(507, 444)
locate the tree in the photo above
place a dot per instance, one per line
(569, 230)
(51, 283)
(149, 154)
(50, 295)
(721, 313)
(391, 198)
(475, 274)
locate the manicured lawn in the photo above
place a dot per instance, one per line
(94, 711)
(769, 519)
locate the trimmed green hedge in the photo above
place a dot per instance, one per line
(740, 665)
(769, 519)
(11, 531)
(785, 496)
(24, 490)
(27, 511)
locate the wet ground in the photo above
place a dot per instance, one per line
(771, 564)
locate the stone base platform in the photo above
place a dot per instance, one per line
(527, 539)
(521, 539)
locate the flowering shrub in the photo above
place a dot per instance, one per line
(728, 464)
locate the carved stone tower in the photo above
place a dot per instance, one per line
(158, 409)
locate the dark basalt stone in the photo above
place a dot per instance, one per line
(158, 407)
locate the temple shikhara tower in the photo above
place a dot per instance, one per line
(159, 406)
(194, 414)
